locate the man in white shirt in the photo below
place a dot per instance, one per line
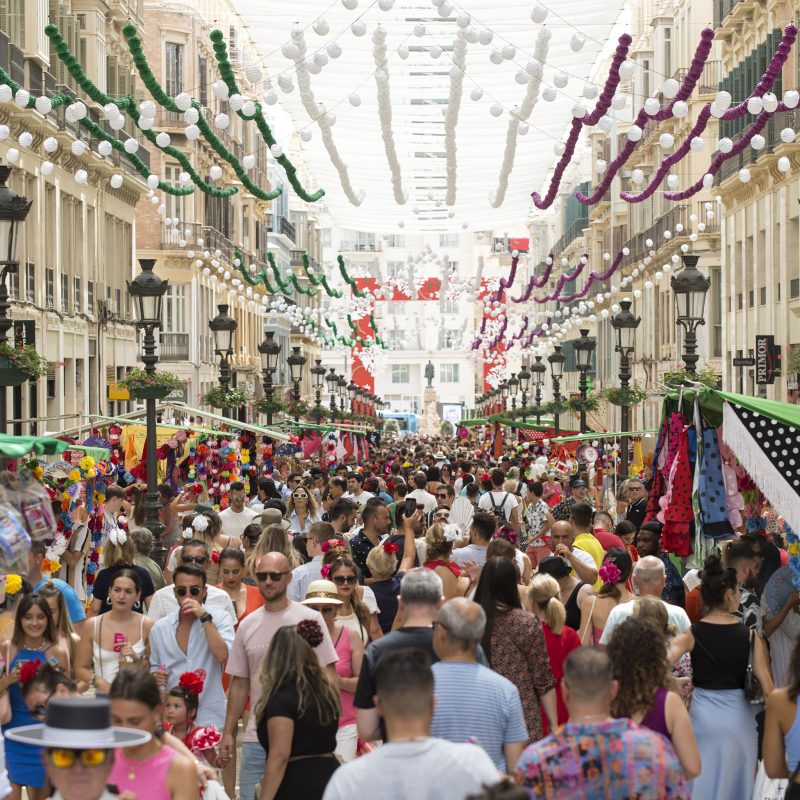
(164, 602)
(502, 504)
(355, 481)
(302, 576)
(236, 517)
(420, 493)
(649, 578)
(411, 758)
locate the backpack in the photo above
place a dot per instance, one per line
(499, 509)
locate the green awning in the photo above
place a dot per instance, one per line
(19, 446)
(543, 425)
(473, 423)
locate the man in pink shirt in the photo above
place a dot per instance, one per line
(273, 574)
(601, 528)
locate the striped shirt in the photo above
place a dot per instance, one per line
(474, 704)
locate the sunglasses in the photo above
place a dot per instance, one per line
(261, 577)
(182, 591)
(63, 758)
(441, 497)
(194, 559)
(299, 496)
(341, 580)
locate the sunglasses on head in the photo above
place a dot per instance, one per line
(63, 757)
(261, 577)
(341, 580)
(182, 591)
(194, 559)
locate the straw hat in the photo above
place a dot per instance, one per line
(321, 593)
(273, 516)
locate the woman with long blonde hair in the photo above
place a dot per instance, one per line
(67, 638)
(274, 539)
(297, 715)
(302, 510)
(544, 599)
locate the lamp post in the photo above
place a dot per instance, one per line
(223, 327)
(341, 384)
(318, 379)
(352, 395)
(332, 379)
(296, 362)
(584, 347)
(269, 350)
(524, 378)
(13, 211)
(504, 392)
(690, 287)
(557, 359)
(625, 324)
(147, 291)
(538, 371)
(513, 390)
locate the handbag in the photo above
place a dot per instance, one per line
(753, 690)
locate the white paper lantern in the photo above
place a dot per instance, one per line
(770, 102)
(670, 88)
(576, 42)
(673, 181)
(116, 181)
(755, 105)
(634, 133)
(152, 182)
(26, 139)
(191, 115)
(496, 110)
(485, 37)
(22, 97)
(270, 98)
(334, 49)
(81, 176)
(306, 135)
(549, 94)
(418, 30)
(253, 72)
(590, 91)
(696, 144)
(47, 167)
(118, 123)
(708, 180)
(249, 161)
(601, 166)
(131, 145)
(784, 165)
(44, 105)
(680, 109)
(508, 52)
(757, 142)
(435, 51)
(78, 148)
(463, 20)
(445, 9)
(787, 135)
(579, 110)
(618, 102)
(637, 176)
(276, 150)
(222, 121)
(626, 70)
(358, 28)
(791, 98)
(725, 145)
(652, 106)
(539, 14)
(5, 93)
(249, 109)
(666, 141)
(561, 79)
(744, 175)
(162, 139)
(220, 89)
(648, 285)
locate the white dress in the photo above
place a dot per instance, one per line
(352, 622)
(106, 662)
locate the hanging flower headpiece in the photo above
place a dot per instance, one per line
(192, 682)
(391, 548)
(13, 584)
(188, 533)
(452, 532)
(310, 630)
(325, 571)
(117, 537)
(200, 523)
(331, 544)
(610, 572)
(28, 671)
(506, 532)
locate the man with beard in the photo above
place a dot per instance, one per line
(739, 555)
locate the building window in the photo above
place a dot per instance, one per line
(90, 297)
(794, 288)
(449, 306)
(401, 373)
(448, 373)
(202, 80)
(65, 293)
(452, 338)
(739, 301)
(50, 288)
(395, 240)
(173, 79)
(751, 298)
(448, 240)
(762, 295)
(30, 282)
(77, 294)
(396, 269)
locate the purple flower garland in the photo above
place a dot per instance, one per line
(537, 283)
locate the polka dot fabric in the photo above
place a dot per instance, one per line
(676, 505)
(711, 489)
(778, 441)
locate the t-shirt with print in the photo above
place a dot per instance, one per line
(252, 640)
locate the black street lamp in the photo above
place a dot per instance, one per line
(625, 324)
(352, 393)
(513, 390)
(13, 211)
(318, 379)
(557, 359)
(504, 391)
(538, 371)
(223, 327)
(584, 346)
(341, 384)
(524, 378)
(269, 350)
(332, 379)
(690, 287)
(147, 291)
(296, 362)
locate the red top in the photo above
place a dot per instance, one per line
(558, 648)
(607, 539)
(454, 568)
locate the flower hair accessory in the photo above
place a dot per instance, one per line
(331, 544)
(610, 572)
(28, 670)
(200, 523)
(325, 571)
(192, 683)
(117, 537)
(310, 630)
(391, 548)
(506, 532)
(188, 533)
(13, 584)
(452, 532)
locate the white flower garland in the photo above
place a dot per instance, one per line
(453, 108)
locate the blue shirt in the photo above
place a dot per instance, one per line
(475, 704)
(74, 606)
(164, 649)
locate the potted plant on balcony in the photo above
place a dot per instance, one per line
(225, 397)
(19, 364)
(145, 386)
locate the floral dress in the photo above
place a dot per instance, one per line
(519, 652)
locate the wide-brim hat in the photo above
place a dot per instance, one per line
(78, 722)
(322, 593)
(273, 516)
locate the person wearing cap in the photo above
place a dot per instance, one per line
(580, 494)
(273, 516)
(79, 773)
(322, 596)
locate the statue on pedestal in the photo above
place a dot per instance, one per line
(429, 373)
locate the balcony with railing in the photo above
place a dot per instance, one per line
(709, 80)
(360, 247)
(173, 347)
(570, 234)
(724, 8)
(296, 258)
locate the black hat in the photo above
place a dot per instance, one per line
(78, 722)
(555, 566)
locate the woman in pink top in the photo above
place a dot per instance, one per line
(322, 596)
(151, 771)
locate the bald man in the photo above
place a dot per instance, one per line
(273, 574)
(562, 536)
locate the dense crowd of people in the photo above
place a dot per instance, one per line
(429, 624)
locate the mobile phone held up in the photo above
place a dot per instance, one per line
(411, 507)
